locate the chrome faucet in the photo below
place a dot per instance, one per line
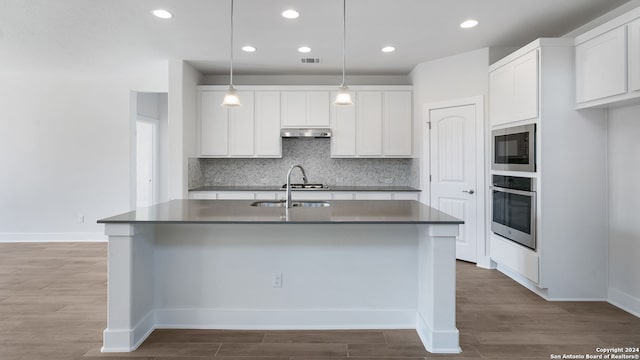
(288, 189)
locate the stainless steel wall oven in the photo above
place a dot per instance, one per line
(514, 209)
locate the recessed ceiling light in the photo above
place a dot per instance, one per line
(388, 49)
(290, 14)
(162, 14)
(248, 48)
(469, 24)
(304, 49)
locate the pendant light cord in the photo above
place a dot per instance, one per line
(231, 47)
(344, 38)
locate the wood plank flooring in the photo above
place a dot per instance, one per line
(53, 306)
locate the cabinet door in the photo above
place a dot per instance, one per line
(369, 125)
(525, 87)
(601, 66)
(318, 109)
(241, 126)
(397, 123)
(634, 55)
(373, 195)
(501, 95)
(267, 122)
(294, 108)
(343, 129)
(213, 124)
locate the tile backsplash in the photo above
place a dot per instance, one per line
(314, 156)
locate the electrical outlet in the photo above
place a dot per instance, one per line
(81, 219)
(339, 180)
(264, 180)
(217, 180)
(388, 181)
(276, 281)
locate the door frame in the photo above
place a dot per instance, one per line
(482, 170)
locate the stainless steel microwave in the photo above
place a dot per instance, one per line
(514, 148)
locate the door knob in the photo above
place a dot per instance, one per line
(470, 191)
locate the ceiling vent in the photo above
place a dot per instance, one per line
(310, 60)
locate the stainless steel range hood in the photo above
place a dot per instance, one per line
(306, 133)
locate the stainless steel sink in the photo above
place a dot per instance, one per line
(282, 203)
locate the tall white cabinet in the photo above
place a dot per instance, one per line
(570, 260)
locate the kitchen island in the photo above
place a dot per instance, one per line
(224, 264)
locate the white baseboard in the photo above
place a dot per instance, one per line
(285, 319)
(53, 237)
(624, 301)
(134, 337)
(523, 281)
(485, 262)
(448, 341)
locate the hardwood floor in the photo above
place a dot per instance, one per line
(53, 306)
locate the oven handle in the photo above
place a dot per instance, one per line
(513, 191)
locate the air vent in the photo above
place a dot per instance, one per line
(310, 60)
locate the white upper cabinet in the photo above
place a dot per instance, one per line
(525, 90)
(369, 123)
(250, 130)
(214, 123)
(608, 63)
(241, 126)
(343, 129)
(634, 55)
(305, 109)
(378, 124)
(514, 90)
(267, 119)
(601, 66)
(397, 121)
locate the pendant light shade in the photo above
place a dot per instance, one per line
(344, 96)
(231, 98)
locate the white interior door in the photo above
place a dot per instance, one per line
(453, 171)
(145, 156)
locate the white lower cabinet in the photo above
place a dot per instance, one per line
(305, 195)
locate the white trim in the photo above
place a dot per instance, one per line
(425, 186)
(427, 335)
(53, 237)
(523, 281)
(260, 319)
(135, 336)
(624, 301)
(486, 263)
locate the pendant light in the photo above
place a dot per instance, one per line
(231, 98)
(344, 96)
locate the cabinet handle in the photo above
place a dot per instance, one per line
(470, 191)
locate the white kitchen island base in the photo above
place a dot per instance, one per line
(333, 276)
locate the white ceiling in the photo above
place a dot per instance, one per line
(76, 34)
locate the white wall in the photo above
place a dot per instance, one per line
(456, 77)
(65, 150)
(624, 209)
(183, 101)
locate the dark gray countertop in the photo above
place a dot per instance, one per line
(330, 188)
(241, 212)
